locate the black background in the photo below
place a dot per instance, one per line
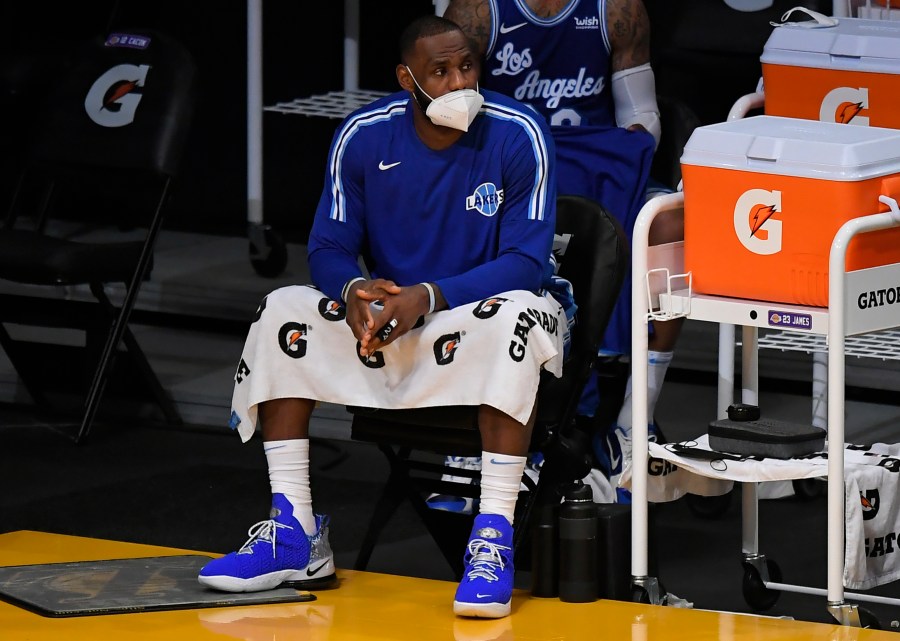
(704, 53)
(302, 55)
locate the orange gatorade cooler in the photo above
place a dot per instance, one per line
(848, 73)
(764, 197)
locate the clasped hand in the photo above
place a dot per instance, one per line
(398, 309)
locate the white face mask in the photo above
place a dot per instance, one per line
(456, 109)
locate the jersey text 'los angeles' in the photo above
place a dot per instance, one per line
(559, 66)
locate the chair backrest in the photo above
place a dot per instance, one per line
(125, 103)
(678, 123)
(595, 261)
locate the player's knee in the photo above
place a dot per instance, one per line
(667, 227)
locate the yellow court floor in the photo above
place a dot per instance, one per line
(373, 606)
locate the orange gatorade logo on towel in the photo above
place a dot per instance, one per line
(847, 106)
(292, 339)
(488, 307)
(373, 361)
(445, 348)
(332, 310)
(870, 502)
(754, 223)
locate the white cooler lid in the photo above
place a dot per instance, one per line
(796, 147)
(854, 44)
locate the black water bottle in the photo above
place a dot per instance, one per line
(545, 552)
(578, 545)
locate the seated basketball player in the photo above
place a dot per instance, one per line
(450, 194)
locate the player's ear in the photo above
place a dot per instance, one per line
(404, 77)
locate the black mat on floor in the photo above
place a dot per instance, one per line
(120, 586)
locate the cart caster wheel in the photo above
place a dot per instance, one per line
(709, 507)
(757, 595)
(808, 489)
(866, 619)
(640, 595)
(268, 254)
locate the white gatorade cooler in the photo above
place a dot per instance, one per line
(848, 73)
(764, 197)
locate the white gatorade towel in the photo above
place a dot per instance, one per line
(871, 481)
(871, 484)
(489, 352)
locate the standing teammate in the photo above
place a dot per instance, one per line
(585, 66)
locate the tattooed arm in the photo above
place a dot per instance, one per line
(629, 33)
(633, 84)
(474, 16)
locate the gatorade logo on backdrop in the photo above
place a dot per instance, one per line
(846, 105)
(113, 98)
(755, 224)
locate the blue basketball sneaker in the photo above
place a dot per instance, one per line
(468, 505)
(487, 584)
(449, 502)
(278, 552)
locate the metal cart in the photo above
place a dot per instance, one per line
(656, 295)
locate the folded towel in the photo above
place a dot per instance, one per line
(871, 478)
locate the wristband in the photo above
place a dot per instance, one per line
(347, 285)
(430, 296)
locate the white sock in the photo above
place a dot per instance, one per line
(658, 363)
(501, 476)
(289, 475)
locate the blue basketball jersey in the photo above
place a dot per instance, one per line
(559, 66)
(610, 165)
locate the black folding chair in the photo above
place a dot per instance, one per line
(108, 140)
(595, 260)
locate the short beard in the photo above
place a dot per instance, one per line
(421, 99)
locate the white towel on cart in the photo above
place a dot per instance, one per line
(871, 484)
(873, 516)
